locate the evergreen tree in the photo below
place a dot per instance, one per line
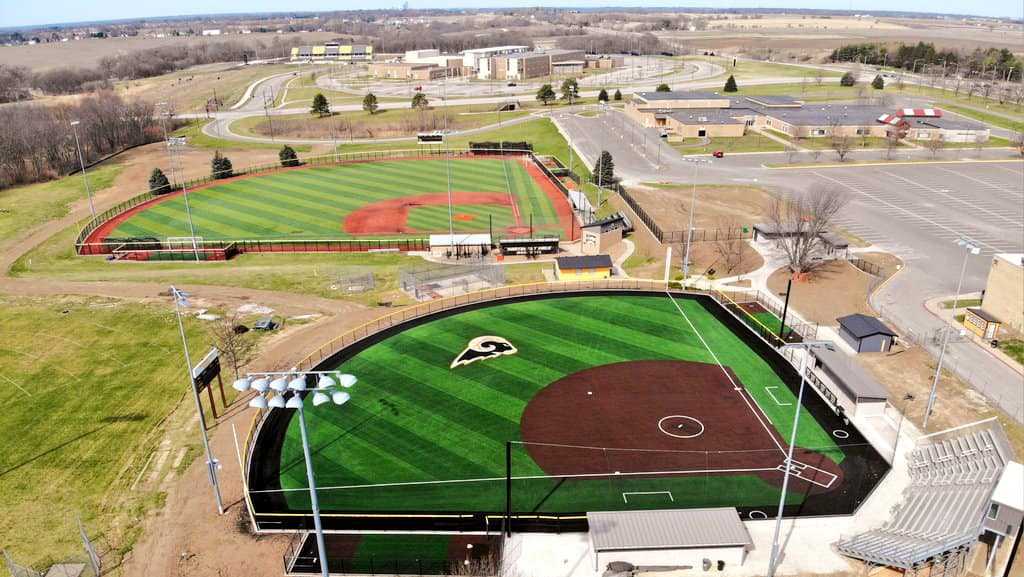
(220, 166)
(570, 90)
(663, 88)
(370, 103)
(158, 183)
(604, 171)
(546, 94)
(419, 100)
(847, 80)
(602, 96)
(288, 156)
(320, 105)
(878, 83)
(730, 84)
(617, 96)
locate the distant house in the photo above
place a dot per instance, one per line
(866, 334)
(591, 267)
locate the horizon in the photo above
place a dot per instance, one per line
(1001, 9)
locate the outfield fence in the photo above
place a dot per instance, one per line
(107, 246)
(610, 477)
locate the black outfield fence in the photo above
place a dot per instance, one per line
(862, 466)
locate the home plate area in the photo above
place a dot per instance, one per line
(662, 419)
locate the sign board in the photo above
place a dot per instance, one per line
(207, 370)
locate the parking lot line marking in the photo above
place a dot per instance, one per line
(891, 163)
(986, 183)
(971, 205)
(912, 214)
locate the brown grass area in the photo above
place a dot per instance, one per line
(669, 205)
(834, 290)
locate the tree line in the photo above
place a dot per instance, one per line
(37, 142)
(18, 82)
(995, 61)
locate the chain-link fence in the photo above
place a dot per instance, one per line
(86, 563)
(440, 280)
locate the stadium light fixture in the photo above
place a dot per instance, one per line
(773, 561)
(969, 249)
(292, 384)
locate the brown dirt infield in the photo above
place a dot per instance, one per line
(671, 415)
(389, 216)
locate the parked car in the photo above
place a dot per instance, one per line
(512, 84)
(718, 153)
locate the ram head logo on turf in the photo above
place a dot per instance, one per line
(484, 348)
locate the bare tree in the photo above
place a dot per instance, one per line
(800, 220)
(791, 151)
(729, 249)
(819, 76)
(1018, 143)
(841, 145)
(236, 348)
(892, 141)
(935, 144)
(979, 144)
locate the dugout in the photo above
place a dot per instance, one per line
(590, 267)
(852, 388)
(698, 539)
(460, 245)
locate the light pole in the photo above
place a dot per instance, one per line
(212, 464)
(970, 249)
(693, 207)
(172, 145)
(773, 561)
(293, 384)
(81, 163)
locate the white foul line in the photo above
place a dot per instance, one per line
(736, 387)
(774, 398)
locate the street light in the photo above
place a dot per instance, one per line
(81, 163)
(212, 464)
(693, 206)
(173, 144)
(293, 384)
(773, 561)
(970, 248)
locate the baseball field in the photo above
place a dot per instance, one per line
(376, 199)
(610, 401)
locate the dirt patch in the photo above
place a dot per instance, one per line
(669, 206)
(683, 416)
(390, 216)
(836, 289)
(463, 217)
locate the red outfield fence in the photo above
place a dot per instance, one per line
(130, 249)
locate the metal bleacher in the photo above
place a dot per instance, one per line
(953, 474)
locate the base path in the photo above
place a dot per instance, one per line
(390, 216)
(662, 417)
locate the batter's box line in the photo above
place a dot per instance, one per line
(774, 398)
(798, 469)
(626, 494)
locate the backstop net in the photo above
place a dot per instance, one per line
(442, 280)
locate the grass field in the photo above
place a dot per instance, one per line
(85, 400)
(313, 203)
(750, 142)
(412, 419)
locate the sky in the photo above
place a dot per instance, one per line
(18, 13)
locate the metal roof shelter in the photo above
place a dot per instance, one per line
(584, 262)
(858, 385)
(862, 326)
(667, 529)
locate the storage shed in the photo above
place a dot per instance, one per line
(589, 267)
(669, 538)
(982, 323)
(866, 334)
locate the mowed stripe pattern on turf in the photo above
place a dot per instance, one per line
(312, 203)
(413, 419)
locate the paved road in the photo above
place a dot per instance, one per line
(915, 211)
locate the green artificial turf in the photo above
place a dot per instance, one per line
(412, 419)
(313, 203)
